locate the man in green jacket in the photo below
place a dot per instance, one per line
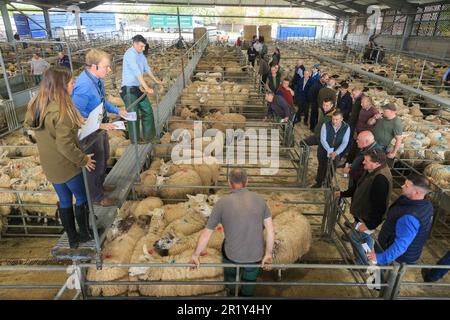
(327, 92)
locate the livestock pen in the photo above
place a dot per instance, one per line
(319, 274)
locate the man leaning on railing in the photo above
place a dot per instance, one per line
(243, 215)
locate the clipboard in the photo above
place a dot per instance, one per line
(92, 123)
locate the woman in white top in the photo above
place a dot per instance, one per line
(38, 66)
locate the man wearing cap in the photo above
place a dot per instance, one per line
(388, 127)
(313, 99)
(315, 74)
(134, 66)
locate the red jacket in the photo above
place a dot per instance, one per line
(286, 95)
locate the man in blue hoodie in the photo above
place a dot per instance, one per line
(407, 226)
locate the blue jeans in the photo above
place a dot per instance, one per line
(357, 239)
(72, 187)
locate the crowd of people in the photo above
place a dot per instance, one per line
(59, 109)
(340, 121)
(352, 133)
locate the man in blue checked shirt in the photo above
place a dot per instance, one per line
(134, 67)
(407, 226)
(88, 93)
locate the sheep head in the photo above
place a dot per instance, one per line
(164, 168)
(163, 244)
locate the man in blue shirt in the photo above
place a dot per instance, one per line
(407, 226)
(88, 93)
(334, 137)
(134, 66)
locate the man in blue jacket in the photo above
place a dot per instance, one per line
(301, 87)
(63, 60)
(88, 93)
(344, 101)
(407, 226)
(313, 93)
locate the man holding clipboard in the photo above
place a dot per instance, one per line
(89, 97)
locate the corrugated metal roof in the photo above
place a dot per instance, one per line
(338, 8)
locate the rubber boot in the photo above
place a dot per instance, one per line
(82, 217)
(133, 126)
(148, 121)
(68, 222)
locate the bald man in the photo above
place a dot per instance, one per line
(365, 142)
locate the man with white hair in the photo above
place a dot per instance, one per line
(244, 215)
(365, 142)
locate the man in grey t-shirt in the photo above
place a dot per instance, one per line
(243, 215)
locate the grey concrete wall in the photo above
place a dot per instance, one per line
(436, 46)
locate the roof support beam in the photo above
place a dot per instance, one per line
(355, 6)
(90, 5)
(399, 5)
(318, 7)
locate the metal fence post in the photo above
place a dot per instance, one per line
(391, 282)
(92, 214)
(396, 67)
(421, 73)
(236, 287)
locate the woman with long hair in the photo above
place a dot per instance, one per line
(55, 121)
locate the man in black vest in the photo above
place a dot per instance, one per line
(334, 138)
(407, 226)
(370, 200)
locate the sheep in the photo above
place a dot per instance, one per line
(184, 177)
(225, 121)
(292, 237)
(146, 206)
(180, 274)
(6, 198)
(439, 174)
(119, 250)
(148, 177)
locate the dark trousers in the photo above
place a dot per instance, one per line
(312, 140)
(144, 112)
(322, 158)
(353, 152)
(436, 274)
(37, 78)
(98, 144)
(314, 116)
(246, 274)
(303, 109)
